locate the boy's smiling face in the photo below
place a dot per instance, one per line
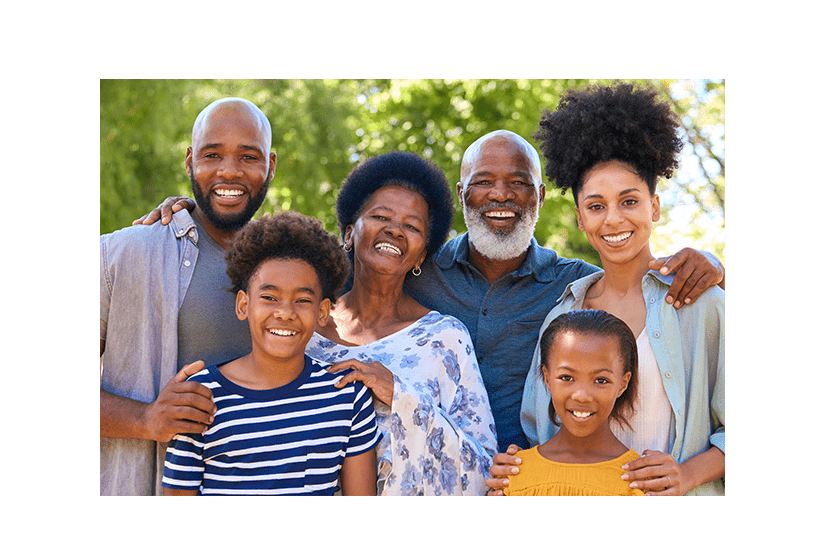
(282, 304)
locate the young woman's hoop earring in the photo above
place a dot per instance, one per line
(346, 247)
(416, 271)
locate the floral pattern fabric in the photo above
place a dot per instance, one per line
(438, 438)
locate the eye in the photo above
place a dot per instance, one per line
(630, 202)
(602, 381)
(565, 378)
(413, 228)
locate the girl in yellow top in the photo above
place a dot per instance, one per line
(589, 363)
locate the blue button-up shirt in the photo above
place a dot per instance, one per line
(503, 317)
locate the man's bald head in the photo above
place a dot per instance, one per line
(234, 106)
(497, 138)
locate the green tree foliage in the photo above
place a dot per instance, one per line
(323, 128)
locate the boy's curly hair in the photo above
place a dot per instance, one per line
(602, 123)
(287, 235)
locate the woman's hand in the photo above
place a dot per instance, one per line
(658, 474)
(504, 464)
(374, 375)
(165, 210)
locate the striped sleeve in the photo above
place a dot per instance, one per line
(184, 465)
(364, 432)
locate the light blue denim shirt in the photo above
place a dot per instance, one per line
(144, 274)
(689, 346)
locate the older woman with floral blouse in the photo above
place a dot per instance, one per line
(438, 435)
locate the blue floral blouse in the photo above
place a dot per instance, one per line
(438, 438)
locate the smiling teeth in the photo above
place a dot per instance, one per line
(282, 332)
(388, 247)
(578, 414)
(618, 238)
(501, 214)
(229, 192)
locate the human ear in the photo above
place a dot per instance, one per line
(348, 237)
(187, 161)
(545, 375)
(579, 219)
(541, 194)
(657, 209)
(421, 259)
(273, 160)
(625, 381)
(459, 189)
(323, 313)
(241, 301)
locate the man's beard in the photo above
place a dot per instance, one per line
(499, 244)
(228, 223)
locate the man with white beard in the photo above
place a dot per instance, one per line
(501, 283)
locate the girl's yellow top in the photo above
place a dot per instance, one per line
(542, 477)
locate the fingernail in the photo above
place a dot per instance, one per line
(624, 476)
(634, 485)
(664, 270)
(625, 467)
(687, 300)
(669, 299)
(514, 470)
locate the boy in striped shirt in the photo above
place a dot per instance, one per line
(281, 426)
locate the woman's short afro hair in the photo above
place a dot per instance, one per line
(602, 123)
(289, 236)
(399, 169)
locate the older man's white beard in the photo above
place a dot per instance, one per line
(501, 245)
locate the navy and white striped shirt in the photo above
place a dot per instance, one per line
(290, 440)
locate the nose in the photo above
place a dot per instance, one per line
(614, 216)
(392, 228)
(501, 191)
(229, 168)
(284, 310)
(581, 394)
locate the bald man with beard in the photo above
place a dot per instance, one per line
(165, 313)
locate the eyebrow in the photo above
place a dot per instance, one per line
(600, 370)
(221, 145)
(387, 208)
(520, 174)
(599, 196)
(277, 288)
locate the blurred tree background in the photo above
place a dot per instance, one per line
(323, 128)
